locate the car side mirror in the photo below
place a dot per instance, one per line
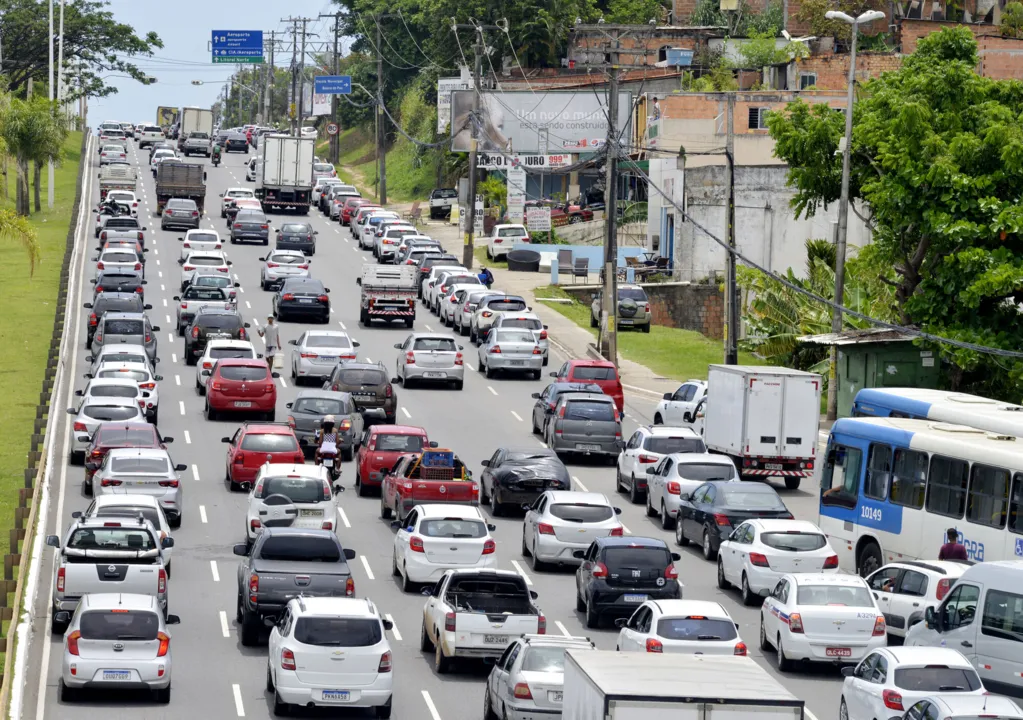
(183, 239)
(535, 396)
(147, 307)
(358, 281)
(93, 281)
(685, 496)
(349, 554)
(434, 444)
(667, 396)
(618, 511)
(237, 284)
(176, 297)
(87, 306)
(79, 393)
(247, 325)
(63, 617)
(275, 375)
(491, 527)
(167, 440)
(621, 622)
(526, 507)
(225, 440)
(292, 342)
(651, 471)
(356, 343)
(88, 375)
(180, 467)
(397, 346)
(172, 620)
(241, 549)
(396, 525)
(395, 381)
(579, 554)
(53, 541)
(675, 557)
(553, 374)
(167, 543)
(930, 619)
(326, 290)
(288, 405)
(72, 411)
(428, 590)
(205, 373)
(156, 328)
(848, 670)
(181, 261)
(93, 259)
(485, 463)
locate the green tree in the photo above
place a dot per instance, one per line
(812, 12)
(1012, 20)
(32, 132)
(17, 228)
(635, 12)
(937, 167)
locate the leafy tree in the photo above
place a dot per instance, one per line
(634, 12)
(741, 22)
(760, 50)
(937, 167)
(17, 228)
(91, 36)
(812, 12)
(31, 132)
(1012, 20)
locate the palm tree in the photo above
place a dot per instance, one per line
(15, 227)
(32, 132)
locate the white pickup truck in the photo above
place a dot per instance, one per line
(476, 613)
(107, 555)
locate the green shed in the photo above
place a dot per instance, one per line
(877, 357)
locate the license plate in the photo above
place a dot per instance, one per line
(515, 362)
(588, 448)
(495, 639)
(555, 696)
(433, 375)
(328, 463)
(311, 513)
(240, 403)
(217, 336)
(625, 322)
(838, 652)
(634, 598)
(336, 695)
(328, 358)
(117, 675)
(305, 300)
(773, 466)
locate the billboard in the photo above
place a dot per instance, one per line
(445, 86)
(321, 105)
(524, 122)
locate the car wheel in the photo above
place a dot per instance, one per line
(536, 430)
(708, 550)
(66, 693)
(488, 705)
(646, 328)
(618, 480)
(525, 552)
(538, 564)
(722, 580)
(250, 628)
(211, 414)
(280, 707)
(163, 695)
(650, 512)
(843, 711)
(459, 384)
(425, 644)
(394, 564)
(384, 711)
(634, 495)
(441, 662)
(784, 664)
(680, 537)
(407, 586)
(868, 560)
(495, 504)
(748, 596)
(764, 645)
(666, 519)
(385, 512)
(488, 372)
(592, 617)
(658, 420)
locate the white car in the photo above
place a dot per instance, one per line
(112, 154)
(647, 446)
(317, 352)
(678, 408)
(309, 131)
(149, 135)
(434, 538)
(682, 473)
(115, 259)
(450, 305)
(321, 168)
(158, 156)
(964, 707)
(904, 590)
(200, 241)
(463, 316)
(367, 231)
(760, 551)
(126, 199)
(145, 471)
(218, 349)
(388, 239)
(320, 186)
(503, 238)
(308, 641)
(699, 627)
(289, 495)
(559, 522)
(132, 505)
(359, 218)
(254, 169)
(435, 282)
(232, 194)
(821, 618)
(96, 410)
(115, 354)
(211, 259)
(140, 373)
(891, 680)
(113, 387)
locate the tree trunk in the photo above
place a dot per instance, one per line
(36, 182)
(21, 188)
(3, 169)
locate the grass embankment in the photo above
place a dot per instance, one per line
(408, 178)
(669, 352)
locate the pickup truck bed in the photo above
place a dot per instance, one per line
(409, 483)
(175, 179)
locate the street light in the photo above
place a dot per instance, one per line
(843, 205)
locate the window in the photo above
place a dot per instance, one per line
(106, 625)
(794, 541)
(946, 486)
(937, 679)
(866, 668)
(696, 628)
(139, 465)
(880, 674)
(913, 583)
(884, 580)
(909, 479)
(879, 468)
(807, 80)
(298, 490)
(758, 118)
(307, 549)
(338, 631)
(269, 442)
(1015, 516)
(841, 476)
(989, 496)
(244, 373)
(1003, 615)
(582, 512)
(961, 606)
(844, 595)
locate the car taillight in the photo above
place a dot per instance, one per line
(892, 699)
(600, 570)
(617, 532)
(195, 213)
(264, 227)
(522, 691)
(449, 622)
(465, 308)
(80, 427)
(302, 267)
(323, 298)
(722, 519)
(879, 627)
(60, 582)
(164, 639)
(415, 544)
(169, 483)
(100, 265)
(759, 559)
(222, 269)
(350, 587)
(489, 547)
(237, 226)
(487, 313)
(308, 356)
(795, 623)
(255, 524)
(195, 331)
(107, 482)
(161, 583)
(287, 659)
(288, 296)
(149, 338)
(253, 584)
(242, 334)
(831, 562)
(93, 320)
(740, 649)
(138, 266)
(653, 645)
(345, 426)
(545, 529)
(496, 350)
(388, 391)
(673, 488)
(458, 359)
(543, 334)
(72, 641)
(215, 386)
(944, 586)
(410, 358)
(188, 268)
(670, 573)
(139, 289)
(103, 235)
(537, 350)
(385, 663)
(272, 265)
(645, 459)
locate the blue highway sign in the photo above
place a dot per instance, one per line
(237, 46)
(332, 85)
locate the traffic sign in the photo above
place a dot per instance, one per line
(237, 46)
(331, 128)
(332, 85)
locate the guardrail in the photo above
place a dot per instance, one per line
(25, 514)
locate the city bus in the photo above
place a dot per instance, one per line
(892, 487)
(941, 405)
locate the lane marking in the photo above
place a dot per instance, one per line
(163, 288)
(579, 482)
(188, 438)
(202, 513)
(516, 416)
(168, 318)
(344, 518)
(492, 390)
(429, 705)
(223, 624)
(626, 530)
(170, 337)
(365, 564)
(174, 357)
(406, 412)
(215, 571)
(160, 273)
(165, 305)
(181, 404)
(195, 472)
(518, 568)
(428, 328)
(369, 361)
(238, 707)
(342, 325)
(394, 627)
(284, 383)
(247, 305)
(563, 629)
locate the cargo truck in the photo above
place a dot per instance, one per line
(766, 419)
(196, 133)
(117, 177)
(286, 177)
(166, 118)
(176, 179)
(604, 685)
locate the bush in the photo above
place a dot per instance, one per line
(1012, 20)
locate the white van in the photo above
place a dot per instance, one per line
(992, 641)
(254, 170)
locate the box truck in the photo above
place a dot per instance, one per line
(286, 177)
(605, 685)
(166, 118)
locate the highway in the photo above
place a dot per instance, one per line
(213, 675)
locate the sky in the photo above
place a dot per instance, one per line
(185, 56)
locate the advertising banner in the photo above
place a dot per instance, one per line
(445, 86)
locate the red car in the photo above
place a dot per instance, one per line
(111, 435)
(256, 443)
(351, 205)
(598, 372)
(241, 385)
(381, 447)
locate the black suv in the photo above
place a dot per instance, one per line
(111, 302)
(212, 324)
(297, 236)
(618, 574)
(370, 388)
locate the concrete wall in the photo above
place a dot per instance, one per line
(699, 308)
(832, 71)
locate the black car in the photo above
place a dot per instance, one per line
(236, 142)
(297, 236)
(121, 281)
(710, 513)
(427, 263)
(302, 297)
(547, 401)
(618, 574)
(212, 324)
(517, 476)
(221, 137)
(111, 302)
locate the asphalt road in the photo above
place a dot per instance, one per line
(213, 675)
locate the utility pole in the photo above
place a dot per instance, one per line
(301, 71)
(381, 153)
(268, 97)
(731, 289)
(292, 103)
(49, 167)
(335, 144)
(609, 297)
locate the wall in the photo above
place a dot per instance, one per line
(699, 308)
(832, 71)
(767, 231)
(1001, 58)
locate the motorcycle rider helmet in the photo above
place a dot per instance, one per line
(329, 420)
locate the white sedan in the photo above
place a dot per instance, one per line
(434, 538)
(700, 627)
(212, 259)
(682, 473)
(318, 351)
(218, 349)
(759, 552)
(821, 618)
(200, 241)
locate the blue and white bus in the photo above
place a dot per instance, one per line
(891, 487)
(941, 405)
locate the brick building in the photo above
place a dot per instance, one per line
(641, 46)
(1001, 58)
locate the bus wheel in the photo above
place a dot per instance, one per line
(869, 559)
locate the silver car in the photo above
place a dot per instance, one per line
(318, 351)
(279, 265)
(682, 473)
(91, 413)
(116, 641)
(126, 328)
(467, 306)
(451, 303)
(535, 662)
(143, 471)
(559, 522)
(430, 357)
(511, 350)
(118, 354)
(527, 321)
(586, 424)
(142, 375)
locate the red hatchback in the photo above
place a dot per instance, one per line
(598, 372)
(352, 204)
(112, 435)
(255, 444)
(241, 385)
(381, 447)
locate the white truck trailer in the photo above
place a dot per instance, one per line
(286, 177)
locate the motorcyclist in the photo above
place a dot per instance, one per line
(110, 206)
(216, 152)
(486, 277)
(326, 438)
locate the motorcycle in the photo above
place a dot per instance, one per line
(216, 156)
(332, 462)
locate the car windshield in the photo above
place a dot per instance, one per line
(514, 336)
(119, 624)
(362, 377)
(452, 528)
(120, 391)
(840, 595)
(199, 136)
(591, 372)
(692, 471)
(589, 410)
(696, 628)
(246, 373)
(937, 678)
(136, 375)
(618, 558)
(748, 497)
(669, 445)
(301, 548)
(269, 442)
(581, 512)
(112, 538)
(338, 631)
(144, 465)
(637, 294)
(327, 341)
(399, 443)
(123, 327)
(110, 412)
(240, 194)
(220, 321)
(298, 490)
(435, 345)
(794, 540)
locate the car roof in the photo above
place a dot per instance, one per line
(121, 347)
(119, 601)
(679, 607)
(939, 567)
(110, 401)
(305, 470)
(448, 510)
(140, 452)
(579, 362)
(115, 295)
(112, 381)
(600, 397)
(666, 431)
(230, 343)
(926, 655)
(825, 579)
(201, 231)
(293, 253)
(631, 542)
(578, 496)
(323, 394)
(206, 253)
(431, 336)
(123, 365)
(337, 606)
(396, 430)
(779, 525)
(126, 499)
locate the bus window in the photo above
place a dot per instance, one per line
(841, 477)
(1015, 514)
(879, 468)
(909, 479)
(989, 496)
(946, 486)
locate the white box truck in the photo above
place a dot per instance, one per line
(765, 418)
(286, 180)
(605, 685)
(197, 127)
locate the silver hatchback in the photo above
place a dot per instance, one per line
(430, 357)
(586, 424)
(280, 265)
(511, 350)
(142, 471)
(559, 522)
(122, 328)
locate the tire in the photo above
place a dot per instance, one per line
(646, 328)
(667, 521)
(708, 552)
(65, 693)
(163, 695)
(488, 706)
(658, 420)
(211, 414)
(680, 538)
(650, 512)
(748, 596)
(764, 645)
(425, 644)
(488, 372)
(459, 384)
(360, 487)
(618, 480)
(843, 711)
(394, 565)
(524, 551)
(407, 586)
(784, 664)
(250, 629)
(722, 581)
(385, 512)
(869, 559)
(792, 483)
(538, 564)
(496, 507)
(592, 617)
(532, 420)
(634, 495)
(441, 663)
(384, 711)
(580, 604)
(281, 708)
(57, 628)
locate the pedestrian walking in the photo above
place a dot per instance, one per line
(271, 335)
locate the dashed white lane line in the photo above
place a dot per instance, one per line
(428, 328)
(202, 514)
(181, 406)
(429, 705)
(519, 569)
(516, 415)
(215, 571)
(165, 304)
(247, 305)
(492, 390)
(223, 624)
(563, 629)
(342, 325)
(394, 627)
(160, 273)
(579, 483)
(238, 707)
(284, 383)
(170, 337)
(368, 360)
(168, 318)
(406, 412)
(177, 381)
(365, 564)
(195, 472)
(174, 357)
(188, 438)
(163, 288)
